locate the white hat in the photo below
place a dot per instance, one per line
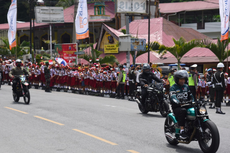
(220, 65)
(194, 65)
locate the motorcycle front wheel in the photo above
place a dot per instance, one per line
(15, 97)
(27, 96)
(142, 109)
(164, 109)
(211, 138)
(169, 129)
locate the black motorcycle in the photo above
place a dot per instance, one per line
(198, 127)
(22, 89)
(156, 100)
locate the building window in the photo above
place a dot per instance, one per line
(65, 38)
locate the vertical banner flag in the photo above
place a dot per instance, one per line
(224, 17)
(81, 21)
(12, 21)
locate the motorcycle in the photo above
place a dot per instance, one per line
(22, 89)
(155, 101)
(198, 127)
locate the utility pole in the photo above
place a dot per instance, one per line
(149, 33)
(74, 27)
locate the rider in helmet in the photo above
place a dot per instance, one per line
(180, 92)
(146, 78)
(18, 70)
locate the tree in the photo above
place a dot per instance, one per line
(22, 49)
(65, 3)
(180, 48)
(219, 48)
(96, 54)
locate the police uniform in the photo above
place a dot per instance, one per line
(47, 78)
(192, 81)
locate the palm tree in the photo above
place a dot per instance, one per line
(95, 54)
(18, 51)
(65, 3)
(180, 48)
(219, 48)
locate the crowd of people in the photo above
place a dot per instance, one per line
(116, 81)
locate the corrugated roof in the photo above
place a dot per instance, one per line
(21, 26)
(144, 57)
(162, 31)
(121, 57)
(188, 6)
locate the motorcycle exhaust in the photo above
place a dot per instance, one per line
(170, 136)
(138, 101)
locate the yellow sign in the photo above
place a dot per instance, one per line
(110, 49)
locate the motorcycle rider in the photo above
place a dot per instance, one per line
(146, 78)
(18, 70)
(180, 92)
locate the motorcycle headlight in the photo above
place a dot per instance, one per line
(202, 110)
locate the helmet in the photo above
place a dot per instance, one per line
(146, 68)
(210, 69)
(18, 62)
(220, 65)
(180, 75)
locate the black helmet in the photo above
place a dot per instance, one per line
(180, 74)
(146, 68)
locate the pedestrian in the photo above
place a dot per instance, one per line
(171, 78)
(193, 80)
(47, 77)
(121, 83)
(219, 83)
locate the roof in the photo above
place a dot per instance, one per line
(109, 10)
(21, 26)
(188, 6)
(121, 57)
(113, 32)
(88, 50)
(144, 57)
(162, 31)
(82, 61)
(195, 55)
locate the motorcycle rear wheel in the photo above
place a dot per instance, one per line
(27, 96)
(169, 127)
(212, 141)
(164, 109)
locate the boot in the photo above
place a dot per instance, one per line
(218, 111)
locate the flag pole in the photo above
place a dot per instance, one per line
(16, 31)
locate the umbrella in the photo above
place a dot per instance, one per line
(61, 61)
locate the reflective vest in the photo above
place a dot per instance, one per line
(124, 76)
(171, 80)
(191, 80)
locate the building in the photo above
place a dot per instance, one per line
(202, 16)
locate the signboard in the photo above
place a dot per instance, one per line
(138, 44)
(113, 48)
(131, 6)
(49, 14)
(67, 52)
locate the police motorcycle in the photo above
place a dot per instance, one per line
(156, 100)
(198, 127)
(22, 89)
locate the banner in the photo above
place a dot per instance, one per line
(110, 49)
(224, 17)
(67, 52)
(12, 21)
(81, 21)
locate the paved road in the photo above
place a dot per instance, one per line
(71, 123)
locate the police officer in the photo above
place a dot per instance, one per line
(132, 82)
(209, 78)
(171, 78)
(121, 83)
(18, 70)
(193, 80)
(47, 77)
(219, 83)
(146, 78)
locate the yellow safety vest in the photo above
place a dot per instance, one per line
(124, 76)
(171, 80)
(191, 81)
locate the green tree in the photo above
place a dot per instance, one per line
(219, 49)
(65, 3)
(180, 48)
(96, 54)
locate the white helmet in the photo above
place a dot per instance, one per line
(18, 61)
(220, 65)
